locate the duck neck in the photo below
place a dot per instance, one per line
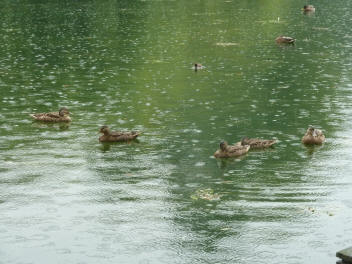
(223, 146)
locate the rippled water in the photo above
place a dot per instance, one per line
(66, 198)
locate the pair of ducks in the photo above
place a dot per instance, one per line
(108, 136)
(289, 40)
(242, 147)
(312, 137)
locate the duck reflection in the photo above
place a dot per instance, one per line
(311, 149)
(59, 126)
(224, 163)
(106, 146)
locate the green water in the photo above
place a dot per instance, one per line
(66, 198)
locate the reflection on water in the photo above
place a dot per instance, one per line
(62, 126)
(66, 197)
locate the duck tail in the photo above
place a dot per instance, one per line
(136, 133)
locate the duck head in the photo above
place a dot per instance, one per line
(310, 130)
(104, 130)
(243, 141)
(64, 111)
(223, 145)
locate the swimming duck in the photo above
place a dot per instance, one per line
(198, 66)
(116, 136)
(61, 116)
(227, 151)
(309, 8)
(257, 143)
(286, 40)
(313, 136)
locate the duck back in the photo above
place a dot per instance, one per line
(257, 143)
(232, 151)
(119, 136)
(51, 117)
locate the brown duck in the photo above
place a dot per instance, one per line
(116, 136)
(309, 8)
(198, 66)
(257, 143)
(313, 136)
(62, 116)
(227, 151)
(285, 40)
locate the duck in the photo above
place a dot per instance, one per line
(257, 143)
(62, 116)
(285, 40)
(309, 8)
(313, 136)
(227, 151)
(116, 136)
(198, 66)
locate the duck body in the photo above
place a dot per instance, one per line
(198, 66)
(257, 143)
(116, 136)
(227, 151)
(285, 40)
(313, 137)
(61, 116)
(309, 8)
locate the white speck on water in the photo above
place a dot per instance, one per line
(200, 164)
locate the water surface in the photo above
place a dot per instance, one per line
(66, 198)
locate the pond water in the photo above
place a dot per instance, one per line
(66, 198)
